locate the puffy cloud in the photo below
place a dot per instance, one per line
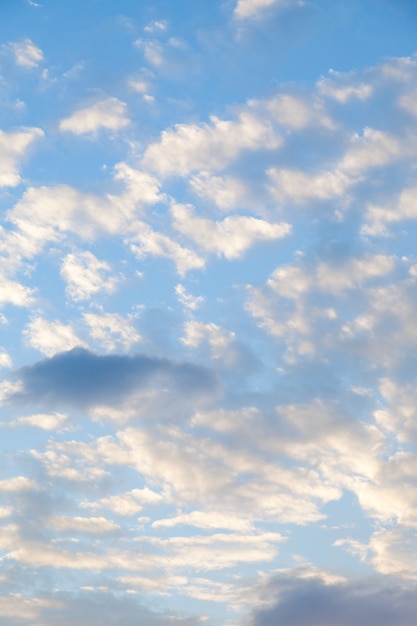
(51, 337)
(256, 8)
(303, 303)
(226, 192)
(84, 525)
(157, 244)
(371, 149)
(5, 359)
(13, 146)
(400, 209)
(343, 93)
(86, 276)
(111, 330)
(218, 338)
(128, 503)
(12, 292)
(190, 147)
(17, 484)
(296, 112)
(44, 421)
(46, 214)
(187, 300)
(26, 53)
(107, 114)
(204, 519)
(230, 237)
(300, 186)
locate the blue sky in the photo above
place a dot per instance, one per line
(208, 293)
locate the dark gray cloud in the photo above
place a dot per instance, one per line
(310, 602)
(81, 378)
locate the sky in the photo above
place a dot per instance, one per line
(208, 292)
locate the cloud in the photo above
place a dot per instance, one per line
(86, 276)
(218, 338)
(190, 147)
(13, 147)
(43, 421)
(204, 519)
(359, 603)
(88, 607)
(107, 114)
(226, 192)
(17, 484)
(82, 525)
(256, 9)
(5, 359)
(51, 337)
(12, 292)
(158, 244)
(111, 330)
(26, 53)
(128, 503)
(46, 214)
(230, 237)
(344, 92)
(189, 302)
(81, 378)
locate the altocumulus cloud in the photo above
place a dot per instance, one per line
(81, 378)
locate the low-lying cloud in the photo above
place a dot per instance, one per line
(81, 378)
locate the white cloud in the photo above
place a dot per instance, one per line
(109, 114)
(371, 149)
(226, 192)
(300, 186)
(17, 484)
(12, 292)
(130, 502)
(44, 421)
(5, 359)
(187, 300)
(157, 244)
(153, 51)
(111, 330)
(26, 53)
(156, 26)
(86, 276)
(230, 237)
(297, 112)
(13, 147)
(88, 525)
(138, 85)
(398, 209)
(203, 519)
(256, 9)
(190, 147)
(45, 214)
(344, 93)
(51, 337)
(218, 338)
(389, 552)
(303, 303)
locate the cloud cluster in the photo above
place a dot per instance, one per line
(271, 409)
